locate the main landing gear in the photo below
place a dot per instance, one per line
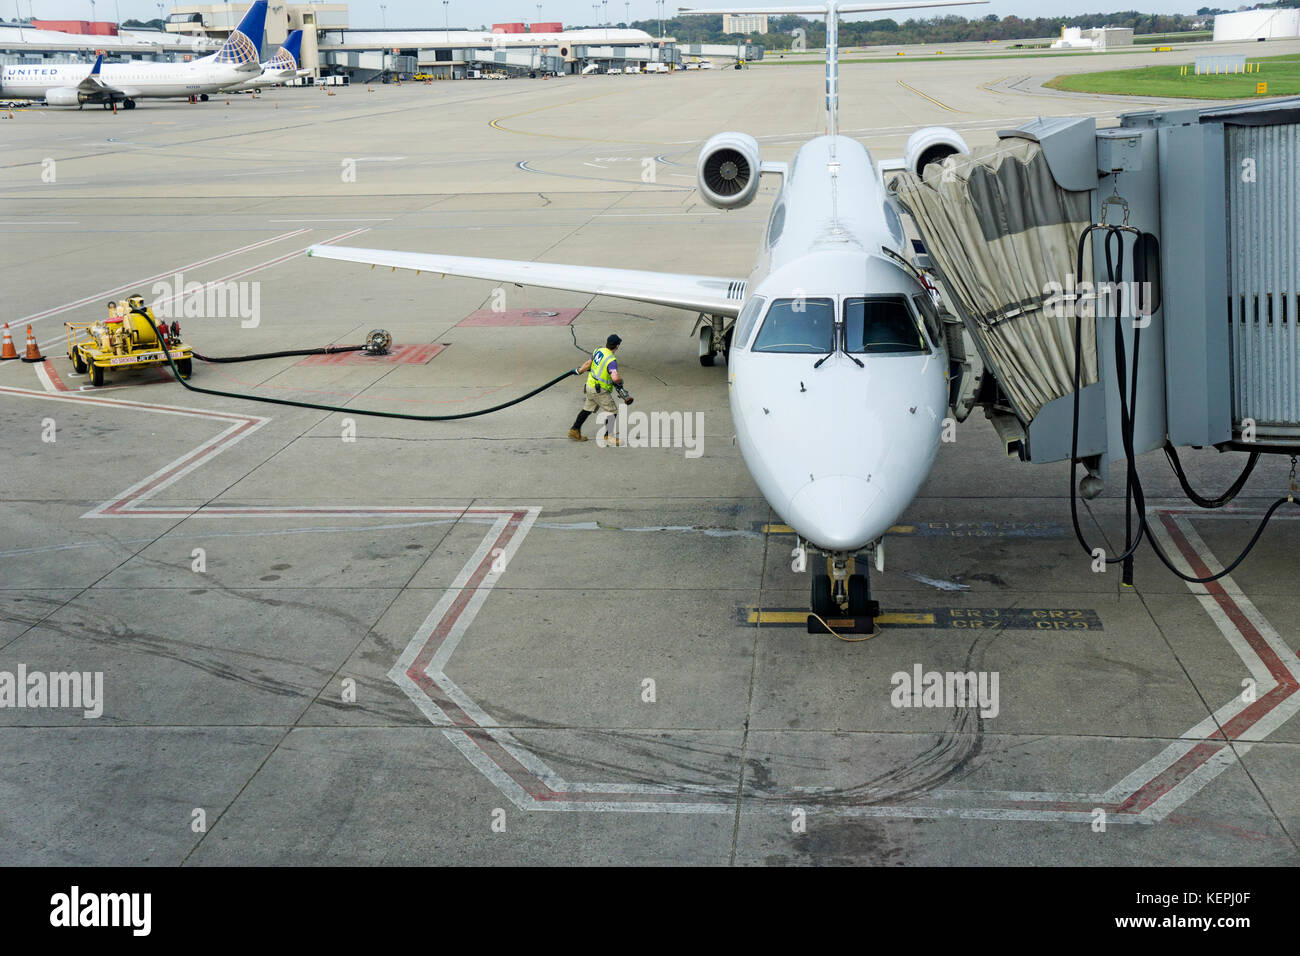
(841, 599)
(715, 337)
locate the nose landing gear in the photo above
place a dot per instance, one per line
(841, 599)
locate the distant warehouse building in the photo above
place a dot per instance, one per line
(1101, 38)
(1257, 25)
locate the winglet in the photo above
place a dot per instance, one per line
(99, 61)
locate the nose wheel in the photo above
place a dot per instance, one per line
(841, 600)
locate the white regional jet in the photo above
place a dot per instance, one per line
(72, 84)
(838, 369)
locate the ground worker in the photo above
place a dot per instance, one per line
(603, 379)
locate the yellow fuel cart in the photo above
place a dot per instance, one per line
(125, 340)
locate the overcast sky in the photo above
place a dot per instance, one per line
(472, 13)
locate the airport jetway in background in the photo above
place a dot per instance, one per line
(749, 52)
(1215, 193)
(522, 58)
(367, 65)
(628, 55)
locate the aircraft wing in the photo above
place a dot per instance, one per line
(695, 293)
(96, 90)
(93, 84)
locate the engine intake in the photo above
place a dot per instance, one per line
(62, 96)
(728, 170)
(933, 144)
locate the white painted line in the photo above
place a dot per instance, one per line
(46, 382)
(106, 293)
(508, 763)
(248, 270)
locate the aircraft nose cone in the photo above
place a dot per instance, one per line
(831, 512)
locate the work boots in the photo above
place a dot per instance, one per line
(577, 435)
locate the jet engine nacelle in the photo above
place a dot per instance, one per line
(933, 144)
(728, 170)
(65, 96)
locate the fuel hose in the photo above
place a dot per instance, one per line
(332, 408)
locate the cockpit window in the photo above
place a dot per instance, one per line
(745, 322)
(797, 325)
(925, 305)
(881, 324)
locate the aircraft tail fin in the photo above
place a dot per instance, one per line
(243, 47)
(288, 56)
(831, 10)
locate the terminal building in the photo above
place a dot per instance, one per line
(57, 41)
(332, 47)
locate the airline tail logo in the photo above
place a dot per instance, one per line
(240, 48)
(286, 58)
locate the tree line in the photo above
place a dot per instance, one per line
(943, 29)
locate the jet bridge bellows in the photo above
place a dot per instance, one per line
(1217, 189)
(1002, 232)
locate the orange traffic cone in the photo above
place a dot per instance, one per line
(33, 352)
(8, 352)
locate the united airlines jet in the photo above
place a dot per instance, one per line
(73, 84)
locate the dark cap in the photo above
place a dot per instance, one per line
(613, 341)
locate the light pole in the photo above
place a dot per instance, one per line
(383, 15)
(446, 15)
(539, 13)
(627, 13)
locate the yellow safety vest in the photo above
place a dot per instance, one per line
(599, 376)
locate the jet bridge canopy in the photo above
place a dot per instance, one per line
(1003, 234)
(1216, 188)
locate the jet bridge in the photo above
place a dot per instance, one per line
(533, 59)
(1211, 285)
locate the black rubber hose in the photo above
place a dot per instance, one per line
(337, 408)
(1172, 454)
(1135, 495)
(327, 350)
(1078, 380)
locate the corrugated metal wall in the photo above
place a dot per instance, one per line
(1263, 165)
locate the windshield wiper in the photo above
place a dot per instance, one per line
(836, 339)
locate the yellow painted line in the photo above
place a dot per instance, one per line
(801, 617)
(786, 529)
(928, 97)
(496, 123)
